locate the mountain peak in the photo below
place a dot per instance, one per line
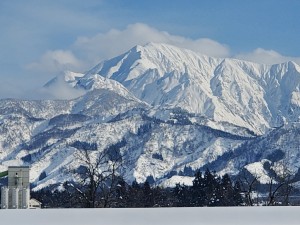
(239, 92)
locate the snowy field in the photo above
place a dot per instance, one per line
(165, 216)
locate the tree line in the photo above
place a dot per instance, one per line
(208, 189)
(98, 183)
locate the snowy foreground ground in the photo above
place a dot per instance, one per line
(172, 216)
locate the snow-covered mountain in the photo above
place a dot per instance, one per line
(242, 93)
(170, 111)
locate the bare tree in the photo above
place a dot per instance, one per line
(273, 192)
(281, 183)
(248, 185)
(97, 176)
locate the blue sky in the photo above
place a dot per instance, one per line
(40, 39)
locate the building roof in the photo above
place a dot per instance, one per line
(33, 199)
(25, 167)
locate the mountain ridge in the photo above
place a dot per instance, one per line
(170, 108)
(164, 75)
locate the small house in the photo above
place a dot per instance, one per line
(34, 204)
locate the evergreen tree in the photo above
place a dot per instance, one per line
(182, 196)
(198, 190)
(227, 197)
(148, 198)
(160, 197)
(210, 188)
(237, 196)
(135, 194)
(122, 194)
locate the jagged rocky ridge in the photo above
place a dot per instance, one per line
(169, 110)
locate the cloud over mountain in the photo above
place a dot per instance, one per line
(106, 45)
(56, 61)
(264, 56)
(86, 51)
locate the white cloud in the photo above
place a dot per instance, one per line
(114, 42)
(56, 61)
(86, 52)
(206, 46)
(264, 56)
(59, 89)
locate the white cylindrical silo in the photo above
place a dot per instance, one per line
(15, 198)
(4, 198)
(25, 198)
(19, 181)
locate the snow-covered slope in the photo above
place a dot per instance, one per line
(34, 131)
(71, 78)
(170, 111)
(242, 93)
